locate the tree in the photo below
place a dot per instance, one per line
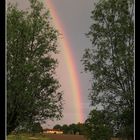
(65, 128)
(26, 127)
(97, 126)
(81, 128)
(111, 63)
(36, 128)
(78, 128)
(57, 126)
(73, 128)
(32, 89)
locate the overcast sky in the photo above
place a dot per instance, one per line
(75, 17)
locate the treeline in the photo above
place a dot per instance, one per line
(78, 128)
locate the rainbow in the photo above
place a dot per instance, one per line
(70, 63)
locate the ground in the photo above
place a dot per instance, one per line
(27, 137)
(46, 137)
(65, 137)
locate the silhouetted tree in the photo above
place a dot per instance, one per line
(65, 129)
(32, 89)
(97, 126)
(59, 127)
(111, 63)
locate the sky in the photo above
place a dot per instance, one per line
(75, 19)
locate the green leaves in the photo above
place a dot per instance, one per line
(97, 126)
(32, 91)
(111, 59)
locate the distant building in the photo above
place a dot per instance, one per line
(52, 131)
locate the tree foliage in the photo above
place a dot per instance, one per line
(29, 128)
(32, 88)
(111, 63)
(58, 127)
(78, 128)
(65, 128)
(36, 128)
(99, 129)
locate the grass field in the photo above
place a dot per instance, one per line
(48, 137)
(27, 137)
(45, 137)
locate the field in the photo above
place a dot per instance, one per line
(27, 137)
(65, 137)
(46, 137)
